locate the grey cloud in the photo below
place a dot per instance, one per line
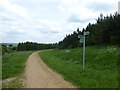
(45, 30)
(75, 18)
(13, 36)
(100, 6)
(5, 19)
(14, 32)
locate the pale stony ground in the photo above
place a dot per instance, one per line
(9, 80)
(38, 75)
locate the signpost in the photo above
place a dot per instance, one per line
(82, 40)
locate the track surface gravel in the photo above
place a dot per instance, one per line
(38, 75)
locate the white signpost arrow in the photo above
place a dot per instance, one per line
(82, 40)
(80, 36)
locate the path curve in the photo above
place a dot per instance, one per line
(38, 75)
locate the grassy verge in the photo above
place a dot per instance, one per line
(100, 66)
(13, 64)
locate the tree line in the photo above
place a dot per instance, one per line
(105, 31)
(27, 46)
(8, 48)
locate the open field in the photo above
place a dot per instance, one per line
(13, 64)
(101, 69)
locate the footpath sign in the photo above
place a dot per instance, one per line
(82, 40)
(86, 33)
(80, 36)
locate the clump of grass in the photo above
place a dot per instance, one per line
(13, 64)
(100, 66)
(16, 83)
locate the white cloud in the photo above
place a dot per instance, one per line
(13, 8)
(80, 14)
(81, 9)
(50, 25)
(35, 1)
(15, 28)
(21, 23)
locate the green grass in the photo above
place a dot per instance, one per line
(100, 66)
(13, 64)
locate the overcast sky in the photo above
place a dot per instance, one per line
(48, 21)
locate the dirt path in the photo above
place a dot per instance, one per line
(38, 75)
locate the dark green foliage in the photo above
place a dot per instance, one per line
(8, 48)
(105, 31)
(27, 46)
(5, 49)
(70, 41)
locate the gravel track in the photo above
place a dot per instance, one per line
(38, 75)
